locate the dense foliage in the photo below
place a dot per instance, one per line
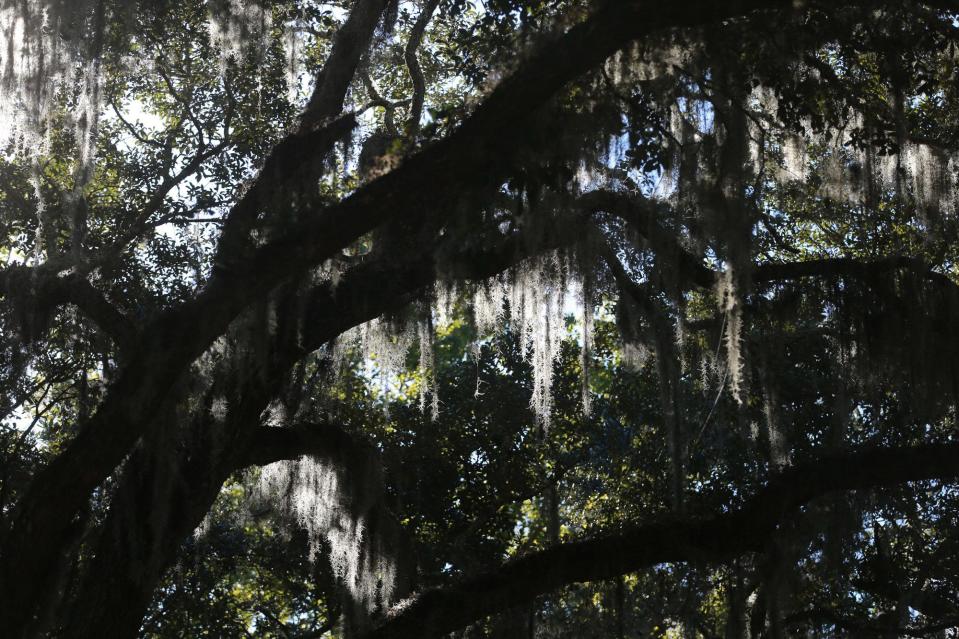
(501, 318)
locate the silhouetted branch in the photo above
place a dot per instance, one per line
(435, 612)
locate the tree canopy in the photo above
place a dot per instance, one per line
(487, 318)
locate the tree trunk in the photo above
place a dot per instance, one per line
(161, 500)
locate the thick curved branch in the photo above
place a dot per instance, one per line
(385, 285)
(76, 290)
(434, 613)
(349, 45)
(35, 292)
(269, 445)
(416, 71)
(322, 124)
(287, 167)
(641, 215)
(847, 266)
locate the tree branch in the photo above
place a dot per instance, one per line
(641, 214)
(290, 161)
(435, 612)
(35, 292)
(271, 444)
(416, 71)
(846, 266)
(349, 45)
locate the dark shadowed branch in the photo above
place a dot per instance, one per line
(36, 292)
(433, 613)
(349, 46)
(416, 71)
